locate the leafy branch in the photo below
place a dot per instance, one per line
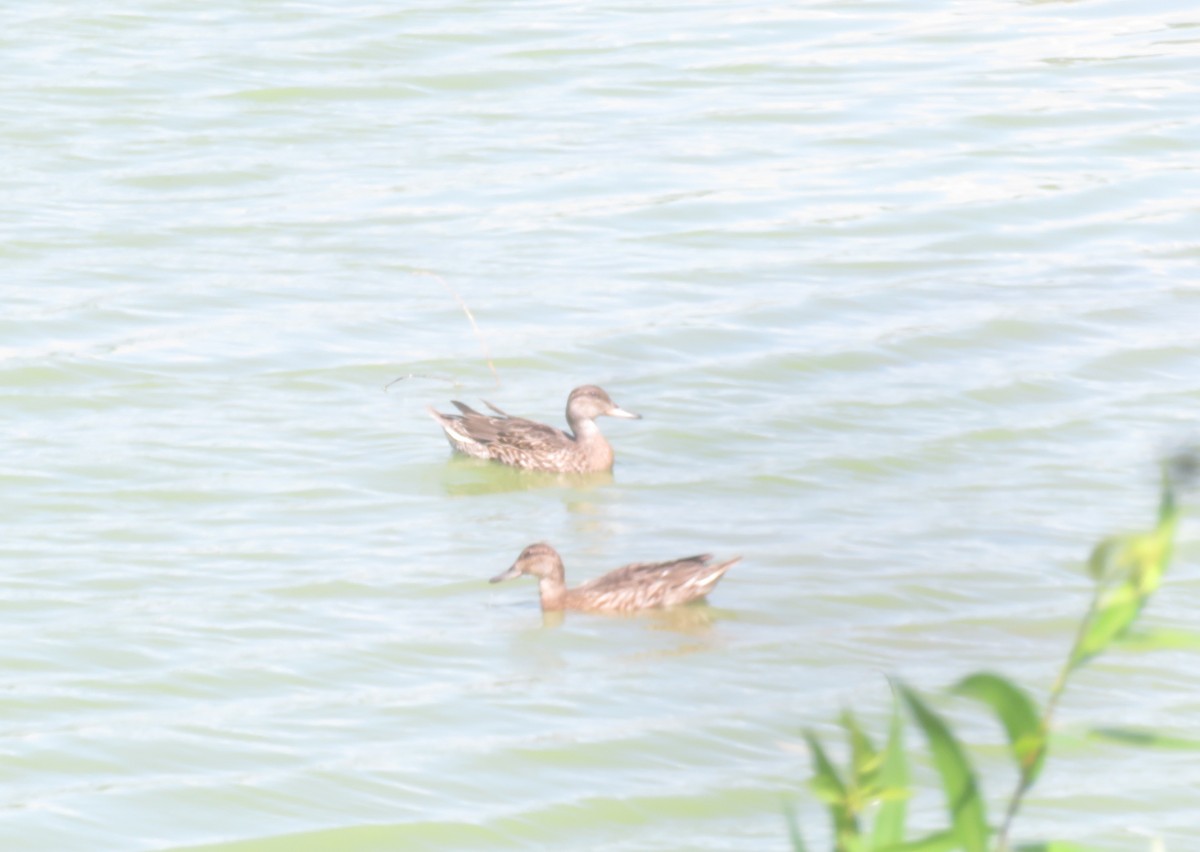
(1126, 570)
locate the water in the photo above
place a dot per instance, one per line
(905, 293)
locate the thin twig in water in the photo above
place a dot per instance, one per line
(482, 343)
(436, 378)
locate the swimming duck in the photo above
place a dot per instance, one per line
(641, 585)
(535, 446)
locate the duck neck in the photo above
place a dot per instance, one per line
(588, 438)
(553, 592)
(553, 589)
(583, 429)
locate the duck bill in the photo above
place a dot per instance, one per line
(616, 411)
(512, 572)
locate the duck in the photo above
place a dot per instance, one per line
(530, 445)
(641, 585)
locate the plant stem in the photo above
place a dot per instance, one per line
(1060, 685)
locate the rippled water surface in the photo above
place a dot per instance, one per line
(906, 294)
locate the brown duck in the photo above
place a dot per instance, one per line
(535, 446)
(641, 585)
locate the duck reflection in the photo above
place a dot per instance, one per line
(694, 619)
(468, 477)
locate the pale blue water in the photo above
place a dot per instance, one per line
(905, 293)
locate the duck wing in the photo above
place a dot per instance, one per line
(478, 427)
(503, 429)
(652, 584)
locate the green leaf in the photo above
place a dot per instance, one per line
(1017, 713)
(864, 760)
(1151, 739)
(826, 782)
(894, 781)
(1150, 554)
(789, 812)
(1138, 562)
(967, 814)
(1115, 613)
(1105, 560)
(1161, 640)
(829, 788)
(943, 841)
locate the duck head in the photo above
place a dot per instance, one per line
(538, 560)
(589, 402)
